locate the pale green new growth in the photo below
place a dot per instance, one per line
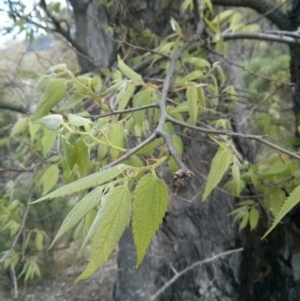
(78, 212)
(95, 179)
(288, 205)
(114, 218)
(219, 166)
(150, 203)
(128, 72)
(54, 93)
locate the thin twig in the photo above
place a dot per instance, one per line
(194, 265)
(260, 139)
(14, 279)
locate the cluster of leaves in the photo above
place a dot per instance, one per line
(81, 144)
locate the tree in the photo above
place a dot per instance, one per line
(167, 81)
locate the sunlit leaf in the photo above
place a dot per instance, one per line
(50, 178)
(128, 72)
(51, 122)
(150, 202)
(114, 218)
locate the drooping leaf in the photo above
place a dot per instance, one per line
(95, 179)
(116, 136)
(126, 97)
(150, 202)
(54, 93)
(39, 241)
(48, 140)
(82, 155)
(68, 152)
(114, 218)
(191, 95)
(288, 205)
(236, 178)
(244, 220)
(50, 178)
(78, 212)
(197, 62)
(219, 166)
(128, 72)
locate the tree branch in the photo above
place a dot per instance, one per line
(260, 139)
(194, 265)
(280, 38)
(11, 107)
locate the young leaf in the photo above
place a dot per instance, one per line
(244, 220)
(39, 241)
(95, 179)
(127, 71)
(116, 136)
(82, 155)
(78, 212)
(68, 152)
(78, 120)
(289, 203)
(114, 218)
(191, 95)
(126, 97)
(236, 177)
(150, 202)
(219, 166)
(54, 93)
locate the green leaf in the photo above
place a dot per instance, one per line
(48, 140)
(236, 177)
(50, 178)
(197, 62)
(116, 136)
(253, 218)
(39, 241)
(95, 179)
(244, 220)
(19, 126)
(42, 83)
(54, 93)
(76, 120)
(126, 97)
(82, 156)
(114, 218)
(219, 166)
(150, 147)
(191, 95)
(150, 203)
(288, 205)
(68, 152)
(194, 75)
(178, 144)
(78, 212)
(51, 122)
(141, 99)
(127, 71)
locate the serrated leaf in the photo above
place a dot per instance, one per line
(191, 95)
(126, 97)
(78, 120)
(219, 166)
(54, 93)
(116, 136)
(19, 126)
(114, 218)
(150, 203)
(51, 122)
(95, 179)
(288, 205)
(78, 212)
(253, 218)
(128, 72)
(50, 178)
